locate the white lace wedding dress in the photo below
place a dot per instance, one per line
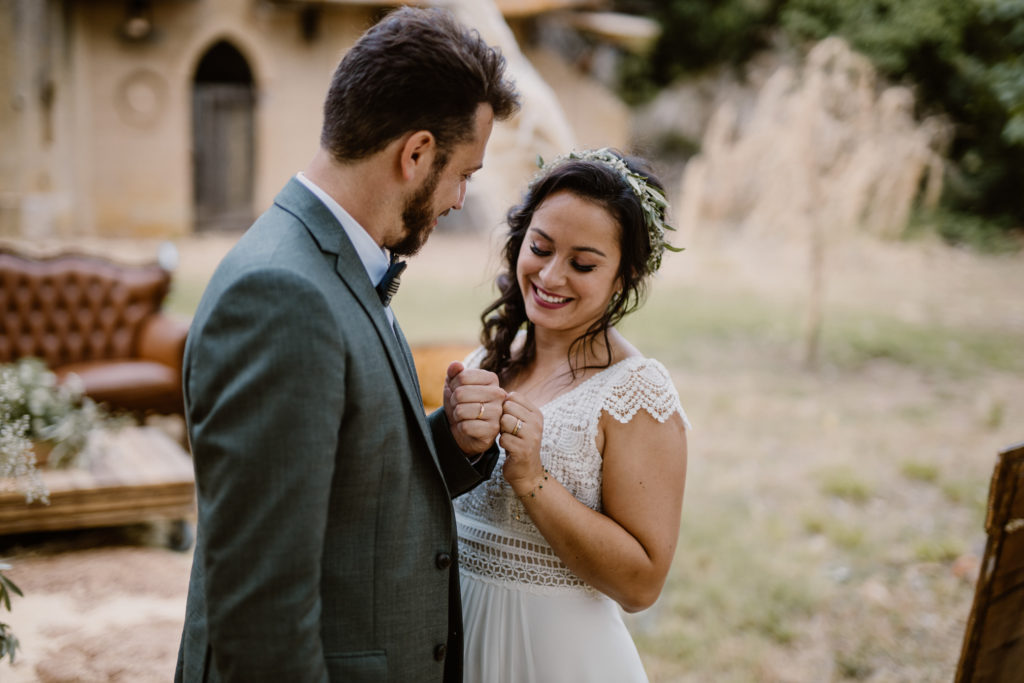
(527, 617)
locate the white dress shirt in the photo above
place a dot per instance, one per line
(374, 257)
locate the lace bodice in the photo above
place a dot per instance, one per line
(497, 539)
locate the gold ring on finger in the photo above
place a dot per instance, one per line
(519, 425)
(481, 413)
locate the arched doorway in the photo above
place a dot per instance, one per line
(223, 134)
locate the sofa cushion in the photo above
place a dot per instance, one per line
(71, 308)
(129, 384)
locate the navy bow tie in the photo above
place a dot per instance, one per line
(388, 285)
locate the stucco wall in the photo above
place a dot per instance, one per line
(135, 125)
(118, 159)
(10, 153)
(114, 155)
(34, 167)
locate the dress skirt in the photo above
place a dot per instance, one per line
(514, 635)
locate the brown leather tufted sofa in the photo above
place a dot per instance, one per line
(98, 319)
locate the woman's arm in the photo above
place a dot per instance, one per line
(625, 552)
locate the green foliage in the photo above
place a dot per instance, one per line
(783, 602)
(697, 34)
(674, 145)
(854, 665)
(1006, 74)
(729, 603)
(917, 470)
(8, 643)
(850, 537)
(982, 234)
(58, 414)
(995, 415)
(966, 492)
(963, 57)
(854, 339)
(938, 550)
(893, 33)
(843, 482)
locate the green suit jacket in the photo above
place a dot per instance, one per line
(326, 544)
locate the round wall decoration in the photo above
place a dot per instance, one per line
(140, 98)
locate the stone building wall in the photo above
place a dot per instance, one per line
(96, 109)
(96, 129)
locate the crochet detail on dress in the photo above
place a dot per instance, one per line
(500, 557)
(644, 386)
(497, 539)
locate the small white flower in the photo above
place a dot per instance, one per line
(74, 384)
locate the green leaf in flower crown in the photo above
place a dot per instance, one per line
(653, 202)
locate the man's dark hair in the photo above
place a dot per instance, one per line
(417, 69)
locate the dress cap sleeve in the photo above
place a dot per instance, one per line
(643, 384)
(475, 357)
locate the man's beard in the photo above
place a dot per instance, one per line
(418, 215)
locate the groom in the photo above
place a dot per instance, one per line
(326, 546)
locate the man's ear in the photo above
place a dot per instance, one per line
(417, 154)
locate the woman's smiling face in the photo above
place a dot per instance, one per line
(568, 264)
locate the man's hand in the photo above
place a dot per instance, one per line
(472, 403)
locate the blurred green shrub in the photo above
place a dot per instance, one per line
(8, 643)
(964, 57)
(696, 35)
(986, 235)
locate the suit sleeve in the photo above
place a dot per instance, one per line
(459, 474)
(267, 379)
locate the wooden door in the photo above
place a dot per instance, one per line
(222, 115)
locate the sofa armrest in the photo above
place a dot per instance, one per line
(162, 339)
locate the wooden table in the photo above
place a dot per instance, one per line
(136, 474)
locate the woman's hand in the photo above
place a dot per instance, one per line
(522, 426)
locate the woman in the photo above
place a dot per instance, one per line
(583, 510)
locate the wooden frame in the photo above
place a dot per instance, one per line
(993, 647)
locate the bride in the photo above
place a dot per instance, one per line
(582, 514)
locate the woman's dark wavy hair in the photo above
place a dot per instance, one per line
(595, 182)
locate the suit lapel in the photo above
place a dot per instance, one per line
(330, 236)
(407, 354)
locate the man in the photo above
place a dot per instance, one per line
(326, 546)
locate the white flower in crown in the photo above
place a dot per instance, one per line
(652, 200)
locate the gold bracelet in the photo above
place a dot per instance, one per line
(540, 485)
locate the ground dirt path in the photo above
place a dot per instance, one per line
(833, 519)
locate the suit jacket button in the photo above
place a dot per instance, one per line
(443, 560)
(439, 652)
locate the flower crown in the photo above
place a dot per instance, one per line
(652, 199)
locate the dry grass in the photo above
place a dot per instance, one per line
(833, 518)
